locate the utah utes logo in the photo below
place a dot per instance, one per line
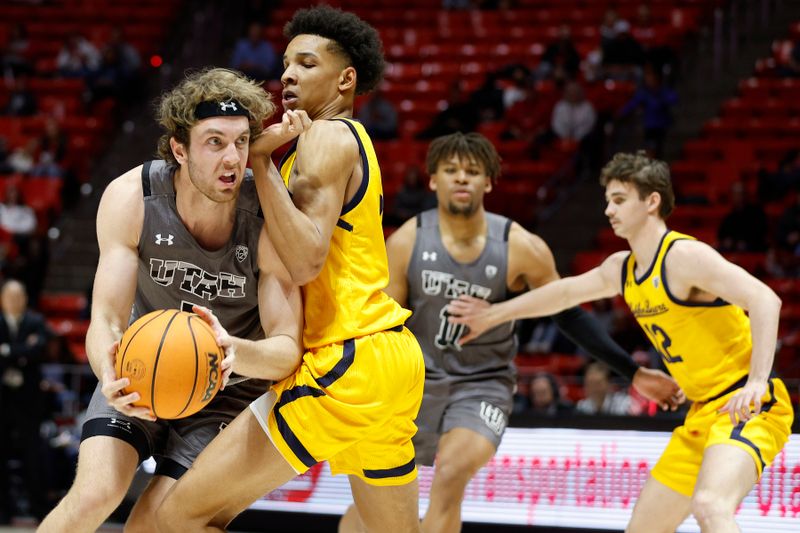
(227, 106)
(241, 252)
(493, 417)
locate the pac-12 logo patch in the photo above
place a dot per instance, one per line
(241, 252)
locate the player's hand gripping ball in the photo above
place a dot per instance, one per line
(172, 360)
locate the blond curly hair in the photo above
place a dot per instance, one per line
(646, 174)
(176, 108)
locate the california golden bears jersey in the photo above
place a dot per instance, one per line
(706, 346)
(346, 300)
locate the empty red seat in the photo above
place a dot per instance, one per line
(73, 330)
(42, 194)
(67, 305)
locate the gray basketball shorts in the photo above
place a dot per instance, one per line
(175, 444)
(453, 402)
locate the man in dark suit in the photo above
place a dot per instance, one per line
(23, 337)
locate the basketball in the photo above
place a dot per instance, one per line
(172, 360)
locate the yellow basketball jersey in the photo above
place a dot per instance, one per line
(346, 300)
(706, 346)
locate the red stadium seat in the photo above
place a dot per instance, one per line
(62, 305)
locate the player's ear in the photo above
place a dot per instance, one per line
(653, 202)
(488, 187)
(432, 182)
(178, 150)
(348, 79)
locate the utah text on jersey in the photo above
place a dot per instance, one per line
(434, 282)
(197, 281)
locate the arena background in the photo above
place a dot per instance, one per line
(731, 132)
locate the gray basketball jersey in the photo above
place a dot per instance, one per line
(175, 272)
(435, 279)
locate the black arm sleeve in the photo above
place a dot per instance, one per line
(584, 330)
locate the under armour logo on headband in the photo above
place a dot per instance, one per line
(228, 108)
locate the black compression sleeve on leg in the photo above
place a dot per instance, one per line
(584, 330)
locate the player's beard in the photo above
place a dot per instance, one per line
(466, 210)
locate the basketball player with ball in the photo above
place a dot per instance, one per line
(182, 233)
(353, 400)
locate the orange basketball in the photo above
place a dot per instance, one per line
(173, 361)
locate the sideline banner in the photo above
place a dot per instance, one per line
(566, 478)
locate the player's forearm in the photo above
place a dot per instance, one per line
(544, 301)
(273, 358)
(764, 317)
(584, 330)
(295, 236)
(103, 332)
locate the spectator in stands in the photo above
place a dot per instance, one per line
(623, 56)
(520, 402)
(22, 101)
(413, 197)
(23, 339)
(16, 217)
(600, 397)
(776, 185)
(53, 140)
(78, 58)
(488, 99)
(118, 72)
(656, 100)
(15, 57)
(561, 60)
(129, 57)
(788, 237)
(379, 116)
(456, 4)
(643, 28)
(46, 167)
(254, 55)
(573, 116)
(460, 115)
(611, 26)
(791, 68)
(744, 228)
(517, 87)
(545, 397)
(5, 167)
(658, 54)
(23, 157)
(542, 337)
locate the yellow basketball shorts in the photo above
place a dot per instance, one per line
(352, 404)
(762, 436)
